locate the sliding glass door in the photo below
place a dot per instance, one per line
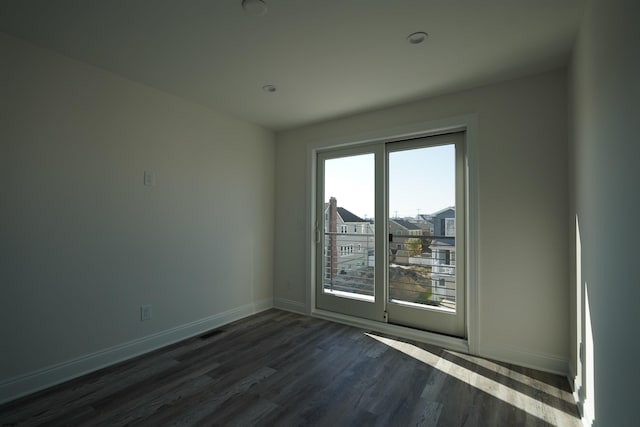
(391, 233)
(425, 217)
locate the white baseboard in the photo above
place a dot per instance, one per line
(524, 357)
(290, 305)
(450, 343)
(23, 385)
(514, 355)
(585, 407)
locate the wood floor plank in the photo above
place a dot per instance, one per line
(426, 413)
(249, 413)
(284, 369)
(72, 398)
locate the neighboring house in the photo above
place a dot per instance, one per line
(400, 231)
(444, 223)
(425, 222)
(402, 227)
(349, 241)
(443, 253)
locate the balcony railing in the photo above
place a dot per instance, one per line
(419, 280)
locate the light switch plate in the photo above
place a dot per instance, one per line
(145, 312)
(149, 178)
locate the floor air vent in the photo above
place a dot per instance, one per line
(210, 334)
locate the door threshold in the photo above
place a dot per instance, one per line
(444, 341)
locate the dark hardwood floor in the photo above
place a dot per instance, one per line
(282, 369)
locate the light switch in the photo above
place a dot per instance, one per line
(145, 312)
(149, 178)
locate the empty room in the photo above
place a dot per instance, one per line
(332, 213)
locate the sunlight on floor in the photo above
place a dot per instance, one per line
(517, 376)
(507, 394)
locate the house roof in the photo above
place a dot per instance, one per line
(424, 225)
(453, 208)
(348, 216)
(406, 224)
(446, 241)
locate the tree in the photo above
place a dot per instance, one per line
(425, 297)
(426, 243)
(413, 246)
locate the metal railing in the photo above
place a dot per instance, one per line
(430, 282)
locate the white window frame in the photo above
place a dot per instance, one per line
(451, 221)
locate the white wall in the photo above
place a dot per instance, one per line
(522, 209)
(83, 243)
(605, 151)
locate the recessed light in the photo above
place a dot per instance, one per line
(269, 88)
(254, 7)
(417, 37)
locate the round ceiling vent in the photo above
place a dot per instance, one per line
(417, 37)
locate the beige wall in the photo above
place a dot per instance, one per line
(522, 210)
(83, 243)
(605, 153)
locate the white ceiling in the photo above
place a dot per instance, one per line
(328, 58)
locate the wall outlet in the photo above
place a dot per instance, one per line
(145, 312)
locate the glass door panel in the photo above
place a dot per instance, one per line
(425, 233)
(348, 259)
(349, 278)
(421, 222)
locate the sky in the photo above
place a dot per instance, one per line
(420, 181)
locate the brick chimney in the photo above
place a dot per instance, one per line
(333, 237)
